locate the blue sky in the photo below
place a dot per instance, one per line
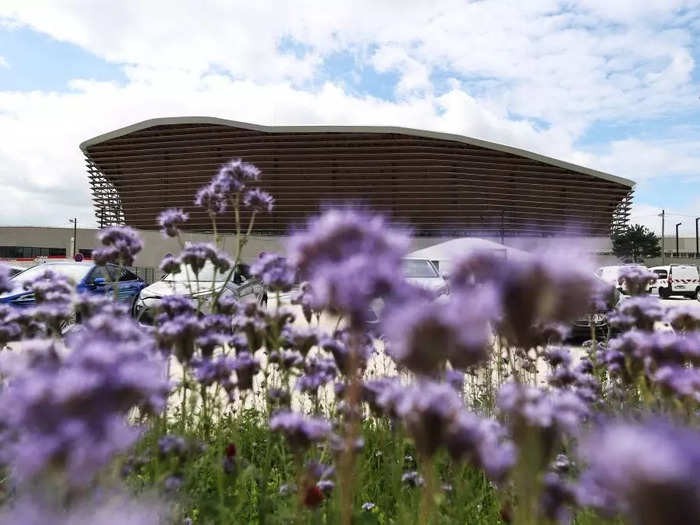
(613, 86)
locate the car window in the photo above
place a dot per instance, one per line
(418, 269)
(101, 272)
(74, 272)
(127, 275)
(661, 273)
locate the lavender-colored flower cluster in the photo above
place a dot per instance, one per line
(69, 413)
(170, 221)
(120, 246)
(349, 259)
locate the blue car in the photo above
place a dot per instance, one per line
(87, 277)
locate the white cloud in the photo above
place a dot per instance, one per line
(511, 65)
(3, 62)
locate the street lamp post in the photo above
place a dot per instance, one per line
(697, 239)
(677, 225)
(75, 235)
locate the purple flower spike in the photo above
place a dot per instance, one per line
(274, 272)
(300, 431)
(258, 200)
(121, 244)
(647, 471)
(636, 279)
(246, 366)
(424, 334)
(170, 221)
(349, 258)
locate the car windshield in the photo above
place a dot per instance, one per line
(206, 274)
(74, 272)
(418, 269)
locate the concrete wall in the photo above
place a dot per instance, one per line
(156, 246)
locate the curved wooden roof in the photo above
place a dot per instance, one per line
(435, 183)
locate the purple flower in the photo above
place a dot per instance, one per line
(636, 279)
(274, 272)
(347, 346)
(107, 508)
(170, 444)
(482, 442)
(558, 356)
(300, 431)
(246, 366)
(427, 409)
(10, 328)
(170, 221)
(230, 179)
(208, 197)
(557, 497)
(412, 479)
(637, 312)
(304, 298)
(684, 318)
(5, 284)
(234, 175)
(196, 255)
(318, 372)
(70, 414)
(258, 200)
(299, 338)
(53, 294)
(120, 245)
(171, 264)
(177, 326)
(533, 292)
(681, 381)
(209, 371)
(350, 258)
(548, 412)
(647, 471)
(422, 335)
(455, 379)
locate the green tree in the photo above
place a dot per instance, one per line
(635, 243)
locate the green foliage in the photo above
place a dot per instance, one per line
(635, 243)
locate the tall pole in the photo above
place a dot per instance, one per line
(697, 239)
(74, 220)
(663, 237)
(677, 225)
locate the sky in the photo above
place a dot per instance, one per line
(612, 85)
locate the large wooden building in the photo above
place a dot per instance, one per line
(437, 184)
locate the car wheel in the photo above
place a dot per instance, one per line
(697, 294)
(664, 293)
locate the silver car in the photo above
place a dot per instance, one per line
(203, 287)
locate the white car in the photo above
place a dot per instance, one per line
(425, 274)
(676, 279)
(208, 283)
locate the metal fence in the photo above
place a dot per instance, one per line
(148, 273)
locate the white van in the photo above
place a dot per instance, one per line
(676, 279)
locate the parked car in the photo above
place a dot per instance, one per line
(611, 275)
(580, 329)
(14, 270)
(207, 283)
(419, 272)
(87, 277)
(423, 273)
(676, 279)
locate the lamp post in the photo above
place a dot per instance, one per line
(677, 225)
(75, 235)
(697, 239)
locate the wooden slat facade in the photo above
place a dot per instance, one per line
(435, 186)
